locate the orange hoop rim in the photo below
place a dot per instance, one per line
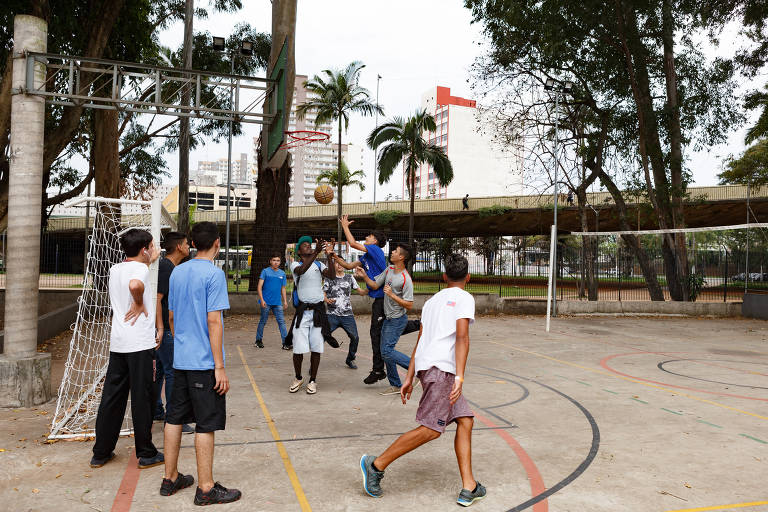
(298, 138)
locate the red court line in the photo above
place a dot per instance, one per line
(534, 477)
(124, 498)
(604, 364)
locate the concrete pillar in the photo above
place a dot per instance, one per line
(24, 374)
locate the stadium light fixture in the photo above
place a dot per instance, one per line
(549, 84)
(218, 44)
(246, 48)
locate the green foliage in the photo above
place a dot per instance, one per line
(384, 217)
(348, 177)
(696, 283)
(192, 211)
(494, 210)
(751, 168)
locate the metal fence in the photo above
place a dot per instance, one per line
(508, 266)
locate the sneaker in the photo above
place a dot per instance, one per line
(187, 429)
(169, 487)
(371, 476)
(287, 347)
(259, 344)
(374, 377)
(217, 494)
(311, 387)
(467, 497)
(352, 365)
(98, 462)
(391, 390)
(148, 462)
(296, 385)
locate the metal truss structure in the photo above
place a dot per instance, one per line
(149, 89)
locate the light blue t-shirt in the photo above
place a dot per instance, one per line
(271, 290)
(197, 287)
(310, 287)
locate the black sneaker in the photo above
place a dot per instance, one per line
(287, 347)
(169, 487)
(467, 497)
(259, 344)
(97, 462)
(352, 365)
(217, 494)
(148, 462)
(374, 377)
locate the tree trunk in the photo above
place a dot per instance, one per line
(273, 185)
(106, 153)
(589, 245)
(649, 273)
(182, 221)
(338, 195)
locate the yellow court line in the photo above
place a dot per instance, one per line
(722, 507)
(276, 436)
(630, 379)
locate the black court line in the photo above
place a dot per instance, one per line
(513, 402)
(330, 438)
(581, 467)
(661, 367)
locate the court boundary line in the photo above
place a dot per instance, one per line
(721, 507)
(124, 497)
(629, 379)
(292, 476)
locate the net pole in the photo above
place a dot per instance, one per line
(157, 214)
(553, 238)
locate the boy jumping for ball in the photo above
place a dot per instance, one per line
(439, 360)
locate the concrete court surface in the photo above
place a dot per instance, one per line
(601, 414)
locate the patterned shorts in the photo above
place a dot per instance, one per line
(435, 409)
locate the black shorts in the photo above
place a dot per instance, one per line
(195, 401)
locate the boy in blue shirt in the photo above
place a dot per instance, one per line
(271, 289)
(196, 300)
(374, 262)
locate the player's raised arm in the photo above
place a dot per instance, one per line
(345, 222)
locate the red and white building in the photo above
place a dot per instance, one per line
(481, 166)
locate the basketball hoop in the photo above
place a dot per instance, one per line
(303, 138)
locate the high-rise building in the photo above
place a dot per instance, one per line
(215, 173)
(481, 165)
(311, 160)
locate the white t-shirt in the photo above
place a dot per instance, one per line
(310, 288)
(437, 345)
(125, 337)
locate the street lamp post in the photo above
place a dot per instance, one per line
(376, 150)
(560, 89)
(246, 48)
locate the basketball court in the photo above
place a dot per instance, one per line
(600, 414)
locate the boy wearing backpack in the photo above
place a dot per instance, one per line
(310, 328)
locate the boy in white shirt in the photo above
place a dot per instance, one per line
(131, 353)
(438, 360)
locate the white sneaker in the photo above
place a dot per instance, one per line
(311, 387)
(296, 385)
(392, 390)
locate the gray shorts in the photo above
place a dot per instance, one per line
(435, 409)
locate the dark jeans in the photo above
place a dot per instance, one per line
(390, 334)
(377, 320)
(350, 327)
(127, 372)
(164, 372)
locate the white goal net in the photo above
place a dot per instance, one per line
(86, 366)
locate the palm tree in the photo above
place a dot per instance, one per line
(338, 95)
(407, 143)
(348, 177)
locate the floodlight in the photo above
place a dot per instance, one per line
(567, 86)
(218, 44)
(549, 84)
(246, 48)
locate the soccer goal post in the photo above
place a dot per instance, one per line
(88, 357)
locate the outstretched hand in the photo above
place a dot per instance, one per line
(329, 246)
(319, 245)
(344, 221)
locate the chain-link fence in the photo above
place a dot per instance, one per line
(723, 265)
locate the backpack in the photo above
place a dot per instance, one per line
(295, 293)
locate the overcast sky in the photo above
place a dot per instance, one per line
(413, 45)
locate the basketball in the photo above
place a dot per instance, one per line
(323, 194)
